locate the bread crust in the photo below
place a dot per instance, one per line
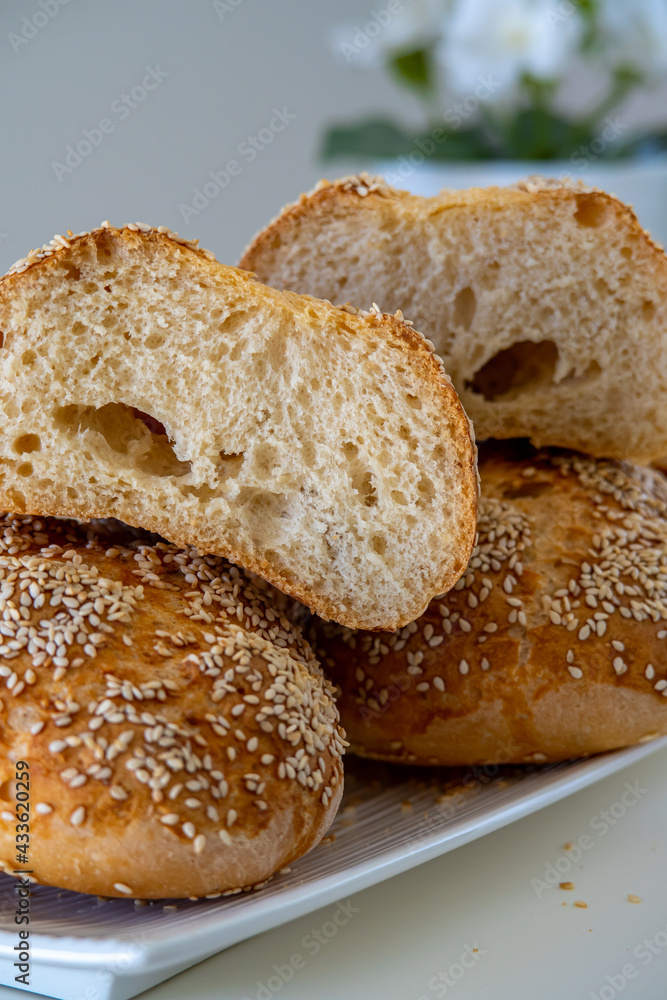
(553, 643)
(417, 352)
(180, 737)
(328, 196)
(371, 210)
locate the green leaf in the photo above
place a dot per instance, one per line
(466, 144)
(537, 134)
(375, 137)
(414, 68)
(380, 139)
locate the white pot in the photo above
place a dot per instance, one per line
(642, 185)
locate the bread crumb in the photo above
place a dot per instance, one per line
(568, 846)
(580, 903)
(566, 885)
(633, 899)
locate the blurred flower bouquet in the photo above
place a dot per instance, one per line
(492, 77)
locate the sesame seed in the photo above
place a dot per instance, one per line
(78, 816)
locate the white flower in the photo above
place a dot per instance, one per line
(502, 40)
(634, 33)
(414, 24)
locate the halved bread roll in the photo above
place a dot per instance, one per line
(174, 731)
(547, 302)
(553, 644)
(326, 450)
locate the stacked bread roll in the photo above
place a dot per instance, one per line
(548, 305)
(296, 484)
(173, 726)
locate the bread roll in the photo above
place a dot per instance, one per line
(179, 735)
(547, 303)
(553, 643)
(325, 450)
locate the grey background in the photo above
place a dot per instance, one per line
(225, 73)
(225, 77)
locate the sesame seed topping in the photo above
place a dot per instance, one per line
(78, 816)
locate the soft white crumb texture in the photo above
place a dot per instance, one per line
(183, 397)
(548, 307)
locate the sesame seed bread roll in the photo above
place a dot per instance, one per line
(180, 737)
(547, 302)
(552, 645)
(323, 449)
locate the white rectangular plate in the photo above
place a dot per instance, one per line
(391, 819)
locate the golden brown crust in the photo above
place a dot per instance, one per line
(486, 274)
(553, 643)
(204, 534)
(180, 738)
(327, 196)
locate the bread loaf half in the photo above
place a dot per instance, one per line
(552, 645)
(547, 303)
(326, 450)
(174, 732)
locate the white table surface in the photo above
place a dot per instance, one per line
(409, 931)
